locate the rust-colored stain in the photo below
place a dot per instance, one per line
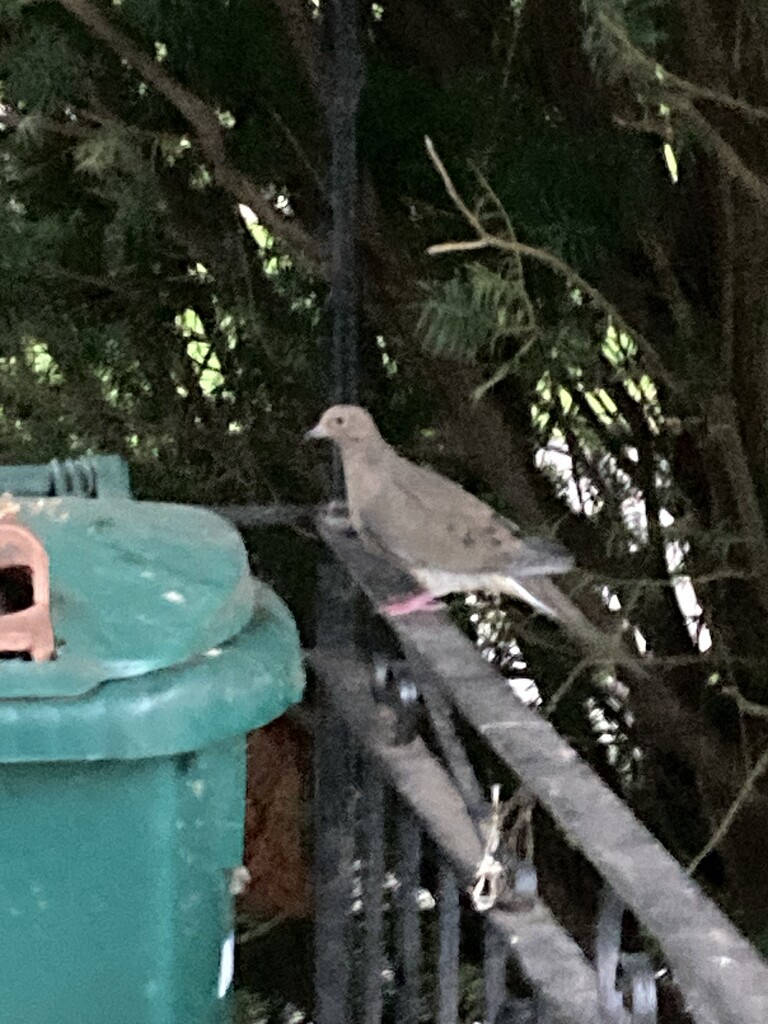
(25, 623)
(276, 841)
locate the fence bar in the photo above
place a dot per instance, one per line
(452, 750)
(372, 852)
(494, 972)
(546, 953)
(524, 1011)
(448, 956)
(408, 918)
(607, 955)
(642, 984)
(721, 976)
(333, 851)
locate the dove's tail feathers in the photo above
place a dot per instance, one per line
(546, 598)
(538, 557)
(514, 589)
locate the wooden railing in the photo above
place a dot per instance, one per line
(433, 799)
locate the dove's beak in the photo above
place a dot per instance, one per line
(316, 433)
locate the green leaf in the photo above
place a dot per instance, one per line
(42, 72)
(475, 312)
(106, 151)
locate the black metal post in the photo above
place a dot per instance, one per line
(450, 937)
(334, 838)
(408, 923)
(333, 855)
(346, 84)
(373, 866)
(494, 972)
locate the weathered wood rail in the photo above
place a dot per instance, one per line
(549, 956)
(721, 976)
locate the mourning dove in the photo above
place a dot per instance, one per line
(445, 538)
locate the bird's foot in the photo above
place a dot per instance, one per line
(422, 602)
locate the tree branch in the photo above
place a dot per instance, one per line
(729, 817)
(745, 706)
(725, 437)
(681, 309)
(663, 719)
(727, 290)
(207, 129)
(511, 245)
(304, 38)
(653, 71)
(727, 155)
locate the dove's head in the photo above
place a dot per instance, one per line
(347, 425)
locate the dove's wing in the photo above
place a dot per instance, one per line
(427, 521)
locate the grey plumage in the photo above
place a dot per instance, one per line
(446, 538)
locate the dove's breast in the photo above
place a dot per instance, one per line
(363, 483)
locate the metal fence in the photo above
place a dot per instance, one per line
(392, 808)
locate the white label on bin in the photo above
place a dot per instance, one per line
(227, 964)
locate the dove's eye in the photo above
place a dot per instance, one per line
(340, 421)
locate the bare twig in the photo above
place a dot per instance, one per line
(511, 245)
(648, 124)
(746, 707)
(679, 306)
(441, 248)
(300, 152)
(450, 188)
(516, 257)
(727, 299)
(564, 687)
(730, 815)
(502, 210)
(725, 438)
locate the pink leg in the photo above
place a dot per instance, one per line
(422, 602)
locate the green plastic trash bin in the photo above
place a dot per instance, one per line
(122, 765)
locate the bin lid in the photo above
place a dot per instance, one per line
(135, 587)
(225, 692)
